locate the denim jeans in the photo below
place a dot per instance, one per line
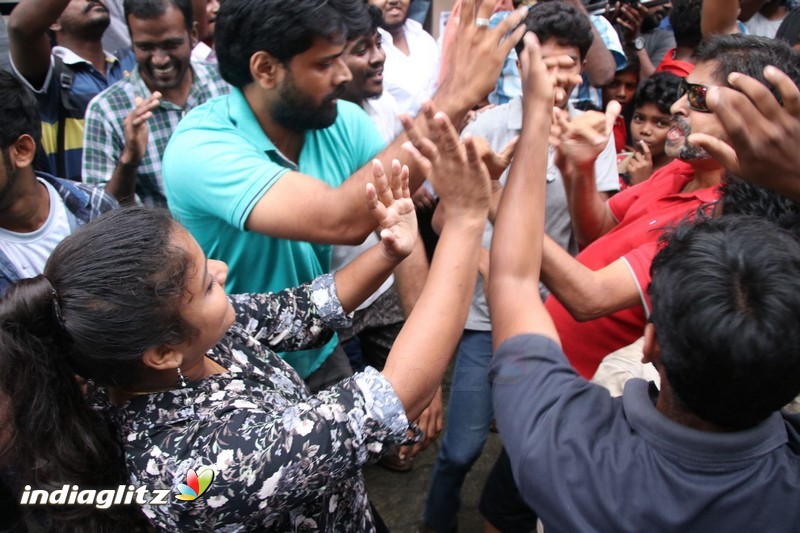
(469, 414)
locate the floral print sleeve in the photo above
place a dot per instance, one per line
(293, 319)
(284, 460)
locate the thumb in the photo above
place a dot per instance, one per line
(719, 150)
(508, 151)
(612, 113)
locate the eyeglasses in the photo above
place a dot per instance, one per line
(696, 94)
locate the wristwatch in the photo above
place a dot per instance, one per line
(638, 43)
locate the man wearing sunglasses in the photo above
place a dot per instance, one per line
(599, 301)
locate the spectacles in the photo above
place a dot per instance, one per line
(696, 94)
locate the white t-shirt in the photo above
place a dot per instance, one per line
(411, 78)
(761, 25)
(28, 252)
(384, 113)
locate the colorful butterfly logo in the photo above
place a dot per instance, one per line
(196, 483)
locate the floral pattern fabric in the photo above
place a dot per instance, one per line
(284, 460)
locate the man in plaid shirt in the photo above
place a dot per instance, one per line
(128, 125)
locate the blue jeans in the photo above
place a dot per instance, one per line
(469, 414)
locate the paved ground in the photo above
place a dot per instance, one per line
(400, 497)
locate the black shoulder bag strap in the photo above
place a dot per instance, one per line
(65, 76)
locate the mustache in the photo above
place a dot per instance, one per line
(335, 94)
(682, 125)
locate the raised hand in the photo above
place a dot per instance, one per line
(136, 130)
(586, 136)
(640, 164)
(453, 166)
(762, 135)
(478, 52)
(390, 203)
(545, 78)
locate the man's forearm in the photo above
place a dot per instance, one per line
(600, 62)
(587, 294)
(28, 42)
(122, 184)
(591, 217)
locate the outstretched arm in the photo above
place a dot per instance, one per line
(337, 214)
(587, 294)
(581, 142)
(389, 200)
(422, 350)
(28, 43)
(516, 252)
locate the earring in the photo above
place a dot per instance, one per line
(181, 380)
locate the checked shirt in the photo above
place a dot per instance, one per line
(104, 129)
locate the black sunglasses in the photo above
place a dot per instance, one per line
(696, 94)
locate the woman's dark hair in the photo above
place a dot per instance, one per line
(280, 27)
(109, 292)
(660, 89)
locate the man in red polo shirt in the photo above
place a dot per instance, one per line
(599, 301)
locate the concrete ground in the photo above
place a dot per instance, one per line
(400, 497)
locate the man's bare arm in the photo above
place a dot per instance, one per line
(28, 42)
(719, 17)
(337, 215)
(587, 294)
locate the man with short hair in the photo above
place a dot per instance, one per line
(68, 77)
(129, 124)
(264, 176)
(37, 210)
(711, 450)
(599, 300)
(562, 30)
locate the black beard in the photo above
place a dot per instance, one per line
(295, 114)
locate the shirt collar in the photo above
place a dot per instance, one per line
(703, 448)
(74, 198)
(71, 58)
(245, 121)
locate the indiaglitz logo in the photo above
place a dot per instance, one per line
(196, 483)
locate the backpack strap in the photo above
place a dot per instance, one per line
(65, 76)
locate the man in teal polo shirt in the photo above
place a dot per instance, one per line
(266, 178)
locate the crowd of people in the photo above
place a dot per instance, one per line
(252, 236)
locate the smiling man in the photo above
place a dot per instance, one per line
(412, 56)
(266, 178)
(128, 125)
(68, 77)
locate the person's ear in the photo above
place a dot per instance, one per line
(583, 65)
(651, 350)
(194, 34)
(164, 357)
(266, 69)
(23, 151)
(56, 26)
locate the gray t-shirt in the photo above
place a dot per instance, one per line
(498, 126)
(587, 462)
(657, 43)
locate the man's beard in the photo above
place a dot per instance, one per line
(295, 111)
(685, 151)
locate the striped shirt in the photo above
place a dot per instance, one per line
(104, 135)
(86, 83)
